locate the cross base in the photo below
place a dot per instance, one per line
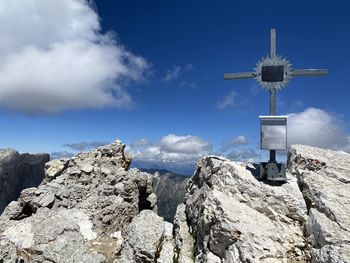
(273, 172)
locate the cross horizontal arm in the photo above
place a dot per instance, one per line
(309, 72)
(242, 75)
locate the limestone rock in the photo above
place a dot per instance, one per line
(324, 179)
(55, 168)
(148, 238)
(17, 172)
(233, 217)
(183, 237)
(167, 252)
(229, 215)
(76, 213)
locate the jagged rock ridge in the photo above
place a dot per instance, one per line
(78, 212)
(92, 209)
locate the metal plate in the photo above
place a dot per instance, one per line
(273, 133)
(272, 73)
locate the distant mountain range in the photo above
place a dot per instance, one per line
(170, 189)
(181, 168)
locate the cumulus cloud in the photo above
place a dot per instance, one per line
(83, 146)
(316, 127)
(54, 57)
(227, 101)
(173, 148)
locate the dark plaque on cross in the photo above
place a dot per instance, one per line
(273, 73)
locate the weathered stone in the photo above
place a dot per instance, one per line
(44, 200)
(235, 218)
(152, 199)
(167, 254)
(82, 212)
(324, 179)
(184, 239)
(54, 168)
(72, 215)
(86, 167)
(142, 238)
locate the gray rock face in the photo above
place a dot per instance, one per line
(235, 218)
(230, 216)
(184, 240)
(92, 209)
(17, 172)
(147, 239)
(324, 179)
(77, 212)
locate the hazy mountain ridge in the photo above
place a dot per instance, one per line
(170, 189)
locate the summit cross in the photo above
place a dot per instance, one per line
(273, 74)
(268, 72)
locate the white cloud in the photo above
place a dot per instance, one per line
(316, 127)
(54, 57)
(173, 73)
(176, 71)
(227, 101)
(61, 154)
(247, 154)
(172, 148)
(184, 144)
(140, 142)
(232, 143)
(84, 146)
(189, 67)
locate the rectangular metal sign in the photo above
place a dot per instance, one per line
(273, 132)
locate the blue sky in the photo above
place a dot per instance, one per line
(153, 70)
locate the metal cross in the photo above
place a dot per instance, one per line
(273, 73)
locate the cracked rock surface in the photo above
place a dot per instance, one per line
(233, 217)
(230, 216)
(324, 179)
(148, 238)
(78, 212)
(91, 208)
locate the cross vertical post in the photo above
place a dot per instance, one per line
(273, 54)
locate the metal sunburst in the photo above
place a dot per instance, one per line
(275, 61)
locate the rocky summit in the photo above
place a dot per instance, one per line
(77, 212)
(92, 208)
(230, 216)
